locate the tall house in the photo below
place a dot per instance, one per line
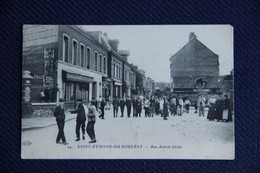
(193, 63)
(64, 57)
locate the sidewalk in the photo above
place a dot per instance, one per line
(38, 122)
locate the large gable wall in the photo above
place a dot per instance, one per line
(194, 59)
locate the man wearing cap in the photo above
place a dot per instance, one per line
(60, 118)
(81, 119)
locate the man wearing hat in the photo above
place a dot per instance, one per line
(81, 119)
(60, 118)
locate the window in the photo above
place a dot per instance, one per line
(96, 59)
(82, 56)
(75, 52)
(104, 65)
(125, 76)
(88, 58)
(117, 71)
(65, 48)
(119, 75)
(100, 63)
(114, 70)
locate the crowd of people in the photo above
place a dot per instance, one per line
(219, 109)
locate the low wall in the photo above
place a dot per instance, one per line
(38, 110)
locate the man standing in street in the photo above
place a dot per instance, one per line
(115, 106)
(122, 106)
(60, 118)
(152, 105)
(102, 108)
(201, 103)
(128, 107)
(139, 107)
(81, 119)
(91, 122)
(135, 102)
(165, 108)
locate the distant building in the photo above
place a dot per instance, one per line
(149, 89)
(195, 68)
(126, 73)
(161, 85)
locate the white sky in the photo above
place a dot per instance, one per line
(151, 46)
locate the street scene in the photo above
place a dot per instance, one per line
(189, 131)
(84, 96)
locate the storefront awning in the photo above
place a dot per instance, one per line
(76, 77)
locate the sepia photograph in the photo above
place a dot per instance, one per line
(127, 92)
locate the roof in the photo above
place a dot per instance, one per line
(193, 41)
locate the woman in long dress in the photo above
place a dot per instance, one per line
(226, 110)
(219, 108)
(212, 108)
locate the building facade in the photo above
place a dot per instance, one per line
(64, 58)
(194, 68)
(71, 63)
(149, 88)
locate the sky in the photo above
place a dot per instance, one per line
(151, 46)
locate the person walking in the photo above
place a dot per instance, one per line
(195, 105)
(187, 104)
(135, 103)
(152, 106)
(219, 108)
(147, 107)
(128, 107)
(60, 119)
(157, 106)
(115, 106)
(181, 105)
(139, 107)
(161, 106)
(212, 108)
(102, 108)
(122, 106)
(201, 103)
(165, 108)
(172, 104)
(91, 122)
(81, 119)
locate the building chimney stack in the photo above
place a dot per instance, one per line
(114, 44)
(192, 35)
(124, 54)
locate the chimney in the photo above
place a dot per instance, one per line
(192, 35)
(96, 35)
(124, 54)
(114, 44)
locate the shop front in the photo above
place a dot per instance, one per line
(117, 89)
(76, 87)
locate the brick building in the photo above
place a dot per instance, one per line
(195, 68)
(72, 63)
(64, 57)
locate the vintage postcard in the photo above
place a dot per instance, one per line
(127, 92)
